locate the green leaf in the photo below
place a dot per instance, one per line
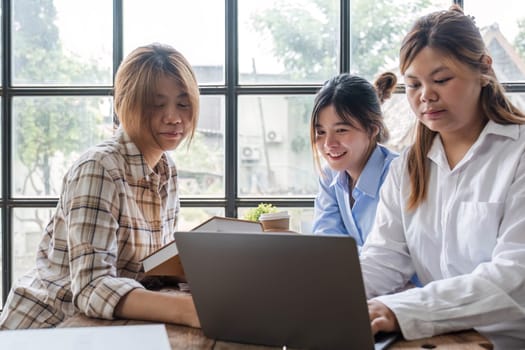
(254, 213)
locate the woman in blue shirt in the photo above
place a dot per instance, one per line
(346, 131)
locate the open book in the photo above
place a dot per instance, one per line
(166, 262)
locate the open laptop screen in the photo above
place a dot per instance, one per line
(302, 291)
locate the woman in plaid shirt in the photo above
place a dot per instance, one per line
(119, 203)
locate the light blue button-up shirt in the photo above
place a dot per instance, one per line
(333, 213)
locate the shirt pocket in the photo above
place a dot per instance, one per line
(477, 229)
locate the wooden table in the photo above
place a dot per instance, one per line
(468, 340)
(181, 337)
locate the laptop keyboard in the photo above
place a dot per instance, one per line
(383, 340)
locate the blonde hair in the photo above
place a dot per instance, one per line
(455, 35)
(137, 78)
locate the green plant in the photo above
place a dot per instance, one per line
(263, 208)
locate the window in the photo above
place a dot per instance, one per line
(504, 34)
(258, 63)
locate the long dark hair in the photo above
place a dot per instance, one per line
(354, 99)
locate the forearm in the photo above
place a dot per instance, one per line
(445, 306)
(142, 304)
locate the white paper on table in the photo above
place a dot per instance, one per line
(132, 337)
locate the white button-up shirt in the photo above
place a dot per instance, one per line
(466, 242)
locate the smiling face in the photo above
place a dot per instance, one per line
(343, 146)
(444, 94)
(166, 123)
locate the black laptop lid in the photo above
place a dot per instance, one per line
(276, 289)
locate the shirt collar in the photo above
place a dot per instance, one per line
(370, 179)
(437, 152)
(139, 169)
(340, 179)
(507, 130)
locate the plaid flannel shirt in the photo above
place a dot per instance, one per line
(113, 211)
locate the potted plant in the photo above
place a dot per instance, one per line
(270, 218)
(253, 214)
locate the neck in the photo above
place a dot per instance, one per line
(353, 175)
(152, 161)
(355, 172)
(456, 145)
(147, 147)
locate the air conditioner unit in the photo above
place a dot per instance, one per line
(273, 136)
(250, 153)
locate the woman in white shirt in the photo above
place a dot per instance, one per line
(452, 208)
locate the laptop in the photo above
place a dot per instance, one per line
(278, 289)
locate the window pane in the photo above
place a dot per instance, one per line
(300, 218)
(400, 122)
(1, 56)
(1, 155)
(275, 157)
(518, 100)
(185, 25)
(49, 134)
(28, 226)
(377, 28)
(62, 42)
(1, 265)
(288, 41)
(201, 167)
(191, 217)
(503, 29)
